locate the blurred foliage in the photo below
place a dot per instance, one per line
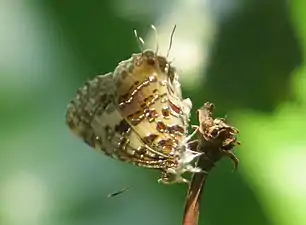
(256, 76)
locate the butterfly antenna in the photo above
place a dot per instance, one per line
(140, 41)
(171, 38)
(156, 38)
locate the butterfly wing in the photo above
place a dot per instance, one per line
(149, 98)
(93, 116)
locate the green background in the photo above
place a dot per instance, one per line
(256, 76)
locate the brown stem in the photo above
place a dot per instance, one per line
(215, 139)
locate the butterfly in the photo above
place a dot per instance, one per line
(136, 114)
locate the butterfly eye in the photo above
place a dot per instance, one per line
(150, 57)
(151, 61)
(148, 54)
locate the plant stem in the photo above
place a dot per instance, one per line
(216, 139)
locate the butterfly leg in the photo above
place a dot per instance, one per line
(178, 180)
(173, 181)
(192, 169)
(170, 177)
(187, 139)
